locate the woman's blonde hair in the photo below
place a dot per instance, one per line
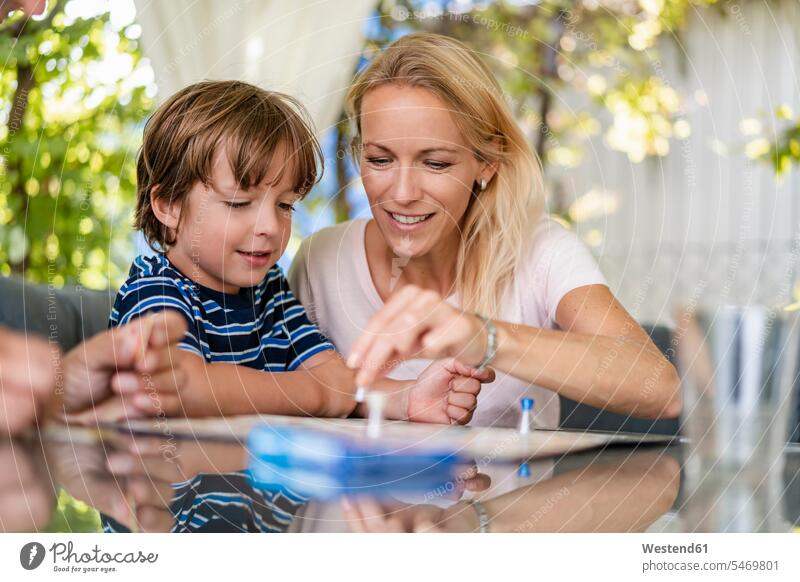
(500, 219)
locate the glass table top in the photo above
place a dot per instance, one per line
(152, 482)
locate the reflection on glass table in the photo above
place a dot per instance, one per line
(150, 483)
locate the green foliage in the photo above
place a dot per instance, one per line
(73, 97)
(783, 149)
(601, 52)
(73, 516)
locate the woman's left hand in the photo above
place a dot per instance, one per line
(416, 323)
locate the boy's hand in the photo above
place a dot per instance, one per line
(139, 361)
(157, 373)
(446, 393)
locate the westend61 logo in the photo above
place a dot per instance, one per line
(66, 559)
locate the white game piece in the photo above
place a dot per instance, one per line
(375, 403)
(525, 419)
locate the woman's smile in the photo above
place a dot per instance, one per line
(408, 222)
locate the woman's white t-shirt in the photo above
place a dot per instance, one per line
(330, 275)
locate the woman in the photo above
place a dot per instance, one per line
(459, 259)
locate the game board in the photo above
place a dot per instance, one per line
(496, 444)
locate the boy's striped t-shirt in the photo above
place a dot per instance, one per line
(224, 503)
(263, 327)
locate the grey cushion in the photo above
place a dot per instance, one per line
(66, 316)
(576, 415)
(794, 414)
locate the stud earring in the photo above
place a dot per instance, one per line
(483, 185)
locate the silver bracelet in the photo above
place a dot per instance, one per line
(491, 342)
(483, 515)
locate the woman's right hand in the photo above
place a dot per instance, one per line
(27, 498)
(416, 323)
(368, 515)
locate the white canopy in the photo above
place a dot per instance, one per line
(308, 48)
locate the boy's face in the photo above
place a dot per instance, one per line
(230, 238)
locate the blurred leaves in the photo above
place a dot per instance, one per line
(73, 516)
(74, 95)
(782, 147)
(555, 57)
(643, 115)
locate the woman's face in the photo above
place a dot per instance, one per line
(416, 167)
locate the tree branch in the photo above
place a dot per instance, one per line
(19, 104)
(550, 71)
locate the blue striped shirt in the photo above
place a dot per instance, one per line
(262, 327)
(224, 503)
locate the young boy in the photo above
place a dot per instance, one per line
(221, 167)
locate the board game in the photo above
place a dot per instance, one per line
(496, 444)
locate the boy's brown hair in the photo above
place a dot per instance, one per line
(182, 136)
